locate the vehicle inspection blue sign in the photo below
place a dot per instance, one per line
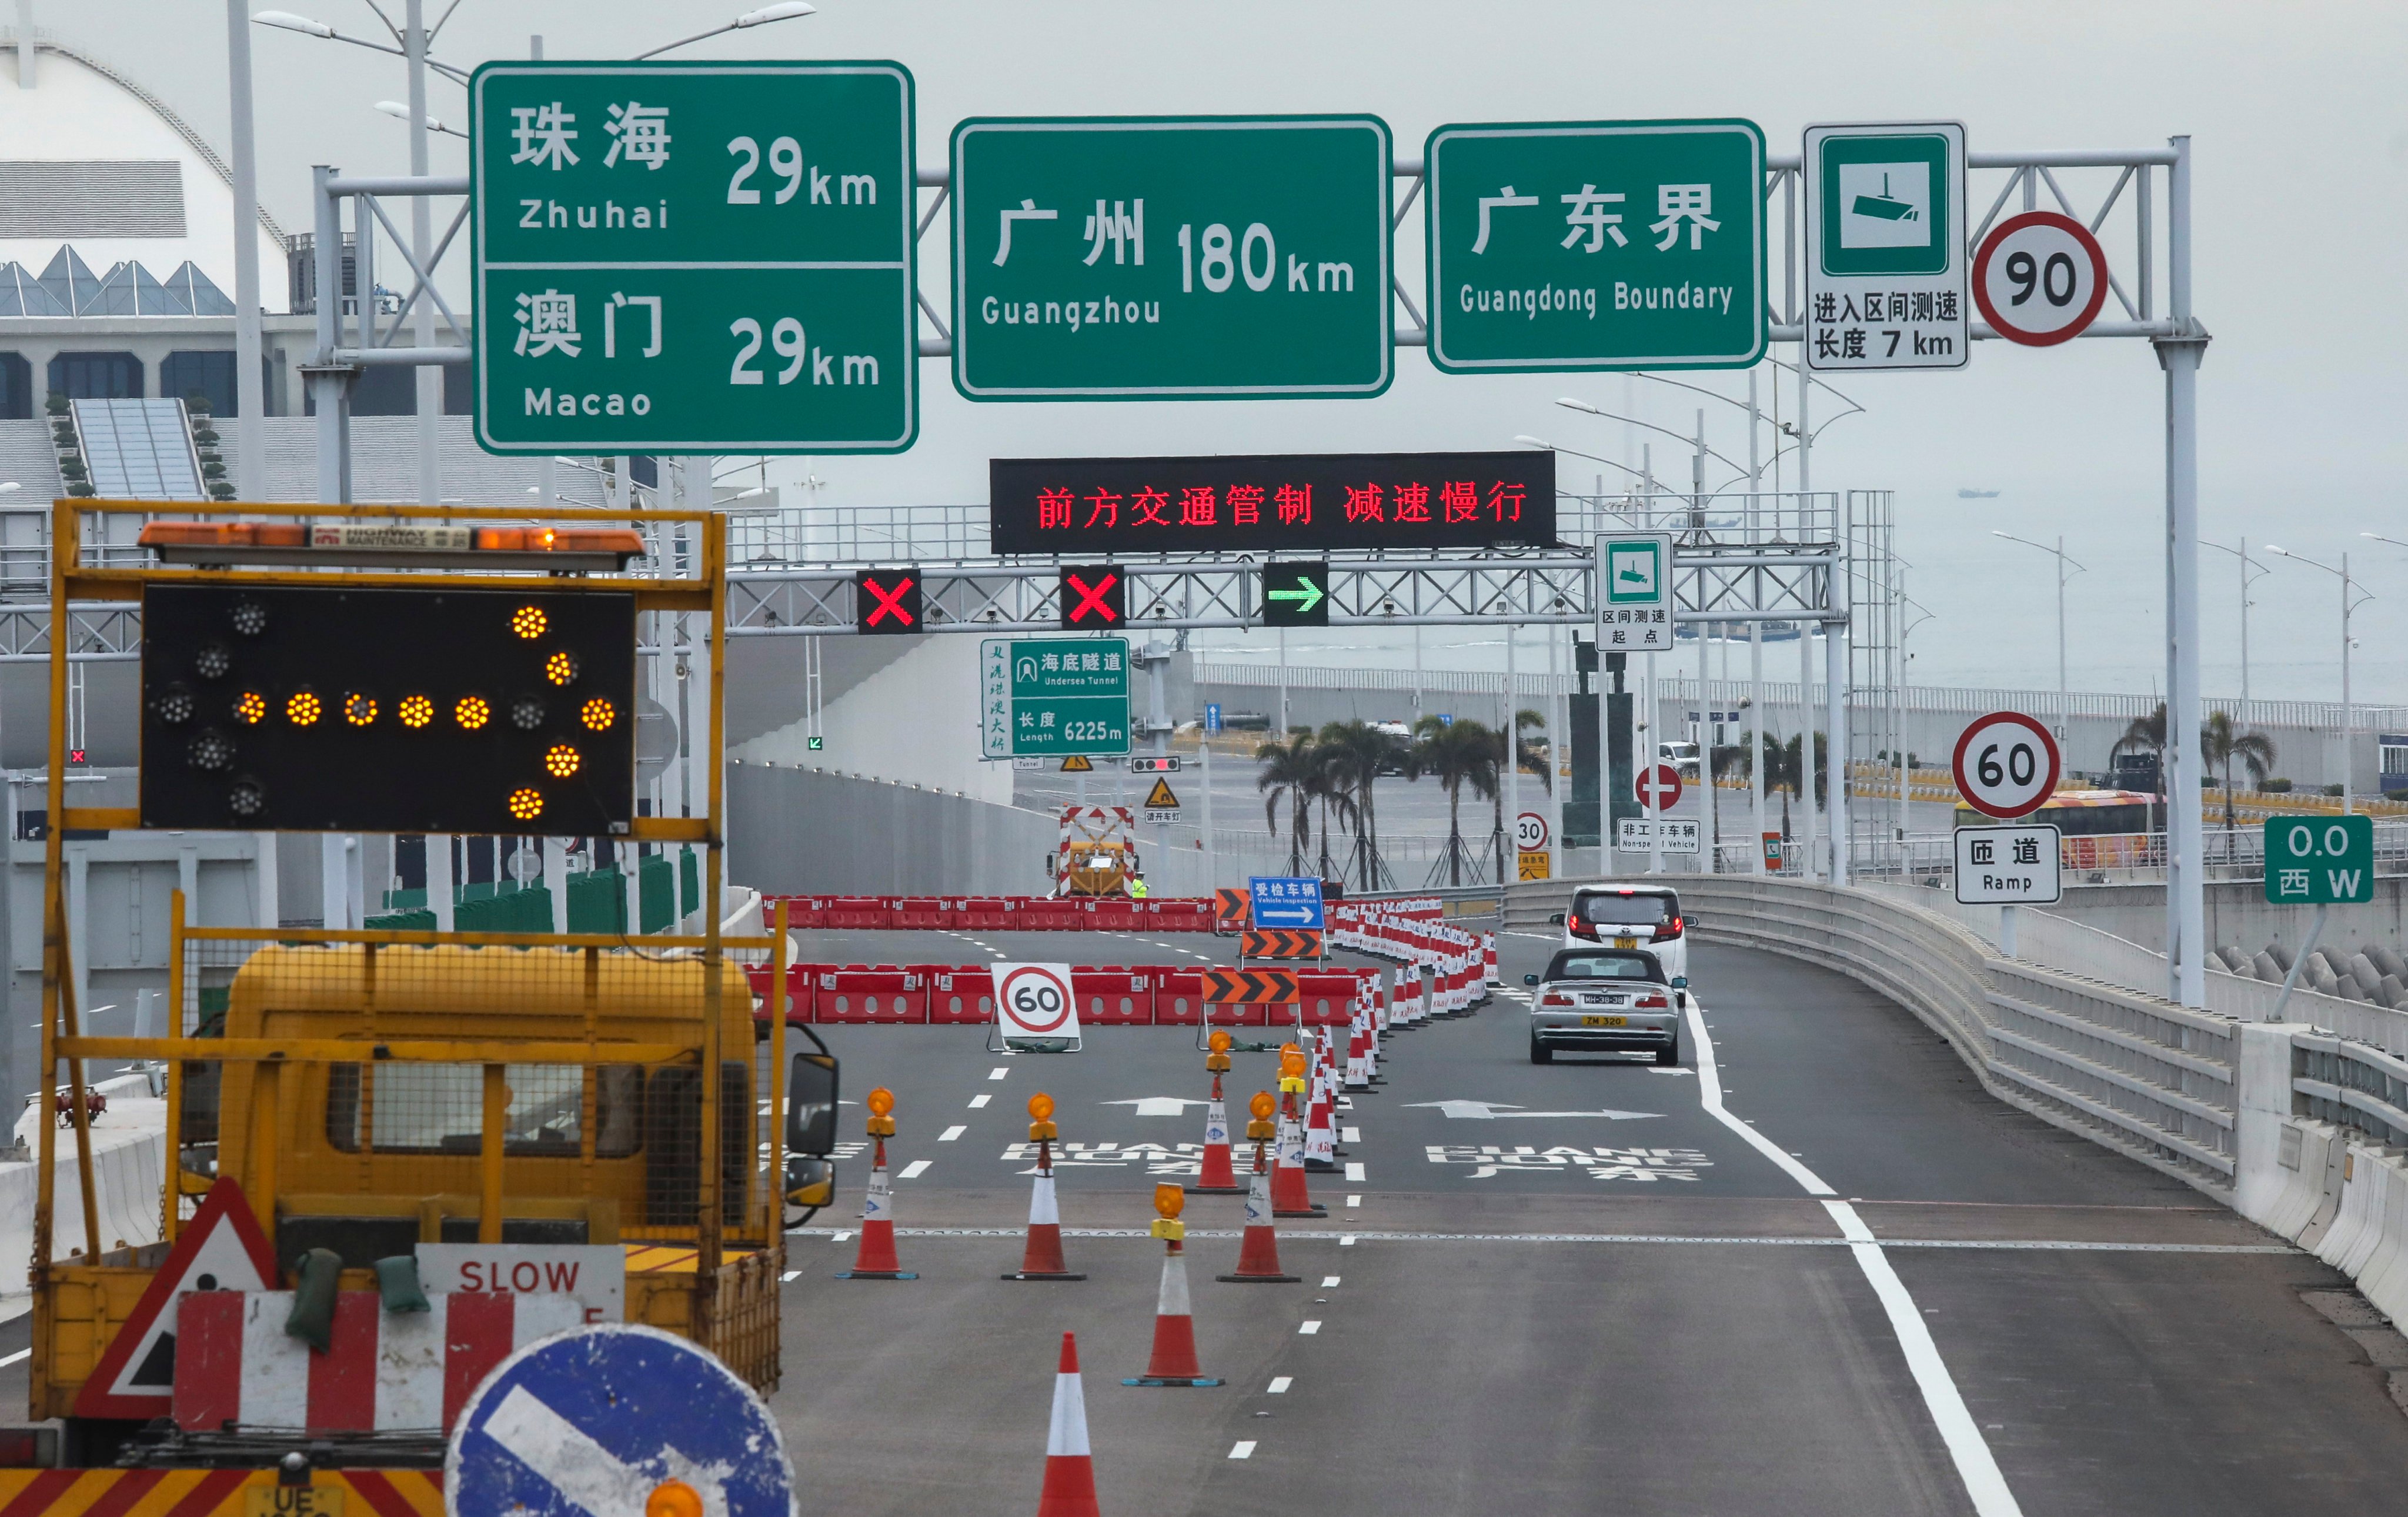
(595, 1421)
(1286, 901)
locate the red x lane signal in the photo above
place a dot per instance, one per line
(886, 601)
(1092, 598)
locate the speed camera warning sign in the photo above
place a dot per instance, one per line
(1033, 1004)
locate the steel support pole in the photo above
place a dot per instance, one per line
(1755, 642)
(251, 401)
(326, 385)
(2186, 895)
(422, 242)
(1211, 844)
(2348, 713)
(1812, 867)
(1509, 845)
(1605, 835)
(1835, 695)
(2064, 701)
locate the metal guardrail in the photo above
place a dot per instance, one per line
(2130, 1070)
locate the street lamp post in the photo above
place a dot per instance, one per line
(2066, 569)
(2248, 565)
(2348, 716)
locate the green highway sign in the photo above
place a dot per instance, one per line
(1886, 263)
(2320, 860)
(1296, 595)
(1168, 258)
(675, 257)
(1596, 245)
(1053, 696)
(1635, 613)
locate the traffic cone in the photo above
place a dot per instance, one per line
(1258, 1262)
(875, 1259)
(1070, 1468)
(1490, 966)
(1290, 1196)
(1174, 1328)
(1321, 1131)
(1041, 1258)
(1218, 1177)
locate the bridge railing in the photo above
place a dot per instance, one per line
(2128, 1069)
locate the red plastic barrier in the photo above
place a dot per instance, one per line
(1248, 1015)
(1181, 915)
(918, 913)
(957, 997)
(1110, 914)
(872, 993)
(802, 911)
(1039, 914)
(857, 913)
(802, 984)
(1178, 997)
(1113, 995)
(1328, 996)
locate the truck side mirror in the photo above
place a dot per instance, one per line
(811, 1105)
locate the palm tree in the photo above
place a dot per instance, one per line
(1287, 772)
(1326, 786)
(1530, 759)
(2146, 734)
(2220, 742)
(1454, 754)
(1359, 752)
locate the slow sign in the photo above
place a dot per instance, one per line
(2006, 764)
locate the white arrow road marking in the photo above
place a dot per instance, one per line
(586, 1474)
(1486, 1110)
(1157, 1105)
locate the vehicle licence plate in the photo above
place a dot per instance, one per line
(292, 1502)
(1605, 1021)
(1626, 942)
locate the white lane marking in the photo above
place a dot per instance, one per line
(997, 1073)
(1309, 1328)
(838, 1237)
(1536, 938)
(913, 1170)
(1353, 1200)
(950, 1133)
(1278, 1386)
(978, 1101)
(1355, 1173)
(28, 1353)
(1346, 1240)
(1329, 1282)
(1242, 1449)
(1985, 1486)
(1349, 1135)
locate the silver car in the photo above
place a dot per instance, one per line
(1603, 1000)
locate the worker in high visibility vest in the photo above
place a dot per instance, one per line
(1137, 888)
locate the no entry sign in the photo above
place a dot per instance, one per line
(1659, 786)
(2006, 764)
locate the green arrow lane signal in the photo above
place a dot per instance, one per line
(1296, 595)
(1307, 597)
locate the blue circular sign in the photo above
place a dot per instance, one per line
(590, 1423)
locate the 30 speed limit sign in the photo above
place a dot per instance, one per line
(1530, 831)
(1035, 1001)
(2006, 764)
(2040, 277)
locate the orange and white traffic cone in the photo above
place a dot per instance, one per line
(1290, 1197)
(1218, 1177)
(1069, 1467)
(1488, 953)
(1041, 1258)
(1174, 1325)
(875, 1259)
(1258, 1259)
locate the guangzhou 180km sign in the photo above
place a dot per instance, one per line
(677, 257)
(1171, 258)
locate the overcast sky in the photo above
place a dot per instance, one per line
(2299, 130)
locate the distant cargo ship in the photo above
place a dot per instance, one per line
(1977, 495)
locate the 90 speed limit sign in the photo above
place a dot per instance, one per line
(2006, 764)
(1035, 1001)
(2039, 278)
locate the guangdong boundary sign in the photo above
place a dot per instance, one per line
(1193, 258)
(677, 258)
(1596, 245)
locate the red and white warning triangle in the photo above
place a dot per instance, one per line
(221, 1249)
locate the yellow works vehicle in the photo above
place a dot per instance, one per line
(356, 1095)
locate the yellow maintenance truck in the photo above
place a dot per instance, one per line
(339, 1100)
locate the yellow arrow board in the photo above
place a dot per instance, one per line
(1160, 798)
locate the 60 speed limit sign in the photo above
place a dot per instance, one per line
(1035, 1001)
(2040, 277)
(2006, 764)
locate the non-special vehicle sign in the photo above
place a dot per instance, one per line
(2006, 764)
